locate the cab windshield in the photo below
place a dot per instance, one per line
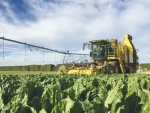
(99, 51)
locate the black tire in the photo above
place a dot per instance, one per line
(125, 70)
(107, 69)
(128, 70)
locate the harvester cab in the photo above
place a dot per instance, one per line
(99, 50)
(108, 56)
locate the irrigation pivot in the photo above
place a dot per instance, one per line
(43, 48)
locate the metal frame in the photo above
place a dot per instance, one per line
(24, 43)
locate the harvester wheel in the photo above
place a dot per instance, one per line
(128, 70)
(125, 70)
(107, 69)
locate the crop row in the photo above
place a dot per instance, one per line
(47, 67)
(121, 93)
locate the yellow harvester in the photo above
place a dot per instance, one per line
(108, 56)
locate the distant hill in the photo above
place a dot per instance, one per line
(145, 65)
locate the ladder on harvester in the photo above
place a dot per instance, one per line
(111, 52)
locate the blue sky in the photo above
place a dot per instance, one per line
(66, 25)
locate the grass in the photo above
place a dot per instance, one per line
(145, 65)
(39, 72)
(26, 72)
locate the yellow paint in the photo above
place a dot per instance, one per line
(119, 51)
(128, 41)
(80, 71)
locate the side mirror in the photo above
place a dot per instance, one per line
(90, 54)
(86, 44)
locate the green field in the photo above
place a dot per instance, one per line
(27, 72)
(38, 72)
(46, 67)
(44, 93)
(145, 65)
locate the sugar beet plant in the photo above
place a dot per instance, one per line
(121, 93)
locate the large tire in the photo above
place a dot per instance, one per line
(128, 70)
(107, 69)
(125, 70)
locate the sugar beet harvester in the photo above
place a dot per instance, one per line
(108, 56)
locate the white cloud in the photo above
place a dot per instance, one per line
(65, 25)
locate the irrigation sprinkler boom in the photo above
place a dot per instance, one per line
(67, 55)
(24, 43)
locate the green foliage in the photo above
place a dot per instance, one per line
(47, 67)
(115, 93)
(32, 67)
(25, 68)
(50, 67)
(66, 65)
(16, 68)
(1, 68)
(146, 65)
(6, 68)
(67, 106)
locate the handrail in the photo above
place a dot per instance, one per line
(111, 53)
